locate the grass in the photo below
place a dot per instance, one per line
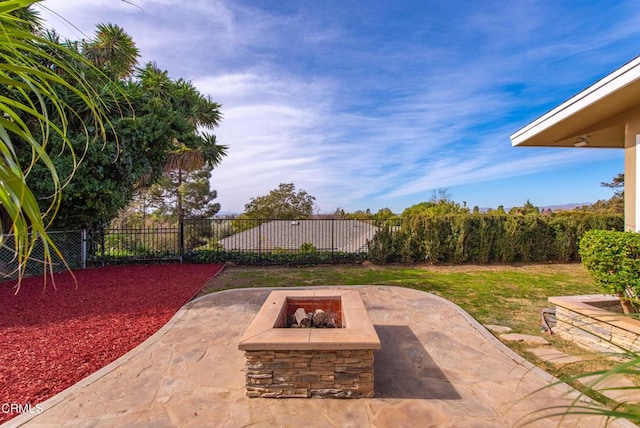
(508, 295)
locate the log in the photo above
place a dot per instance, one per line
(291, 321)
(319, 317)
(302, 318)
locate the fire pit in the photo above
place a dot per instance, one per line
(314, 312)
(335, 361)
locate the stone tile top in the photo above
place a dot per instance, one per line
(498, 328)
(554, 356)
(357, 332)
(592, 305)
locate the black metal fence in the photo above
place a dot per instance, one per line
(133, 244)
(246, 241)
(436, 239)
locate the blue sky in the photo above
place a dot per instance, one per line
(377, 104)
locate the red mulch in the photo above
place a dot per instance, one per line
(52, 338)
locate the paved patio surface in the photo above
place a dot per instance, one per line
(437, 367)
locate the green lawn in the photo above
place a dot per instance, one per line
(509, 295)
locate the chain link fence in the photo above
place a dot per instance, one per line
(71, 244)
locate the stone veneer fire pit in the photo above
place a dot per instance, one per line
(596, 322)
(310, 362)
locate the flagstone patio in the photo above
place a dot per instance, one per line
(437, 367)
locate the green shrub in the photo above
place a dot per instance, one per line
(613, 260)
(382, 248)
(486, 238)
(308, 248)
(270, 259)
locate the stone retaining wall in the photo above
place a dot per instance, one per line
(593, 327)
(310, 373)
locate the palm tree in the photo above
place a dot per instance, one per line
(31, 84)
(156, 82)
(201, 111)
(113, 51)
(184, 160)
(188, 159)
(192, 149)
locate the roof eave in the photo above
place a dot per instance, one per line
(592, 105)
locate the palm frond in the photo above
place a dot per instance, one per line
(34, 69)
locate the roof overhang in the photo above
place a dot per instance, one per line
(596, 116)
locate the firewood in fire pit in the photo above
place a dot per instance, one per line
(291, 321)
(319, 318)
(302, 319)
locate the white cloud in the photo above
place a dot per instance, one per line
(357, 108)
(273, 127)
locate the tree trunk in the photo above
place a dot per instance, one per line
(180, 217)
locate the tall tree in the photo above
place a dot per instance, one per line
(159, 134)
(527, 208)
(498, 211)
(107, 168)
(200, 111)
(194, 190)
(281, 203)
(31, 91)
(613, 205)
(439, 204)
(617, 184)
(616, 202)
(441, 207)
(384, 214)
(113, 51)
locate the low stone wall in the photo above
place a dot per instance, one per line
(310, 373)
(585, 321)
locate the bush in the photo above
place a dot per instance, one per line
(382, 248)
(486, 238)
(308, 248)
(273, 258)
(613, 260)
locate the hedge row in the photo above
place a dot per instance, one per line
(482, 238)
(275, 258)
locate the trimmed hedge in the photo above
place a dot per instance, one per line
(483, 238)
(274, 258)
(613, 260)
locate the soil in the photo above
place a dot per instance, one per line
(52, 336)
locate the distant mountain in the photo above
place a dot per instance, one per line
(227, 214)
(565, 207)
(554, 208)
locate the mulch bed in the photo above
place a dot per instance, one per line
(50, 338)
